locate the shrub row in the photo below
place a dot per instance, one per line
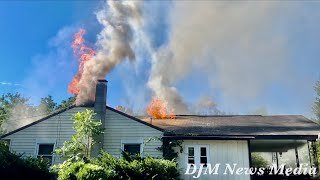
(13, 166)
(107, 167)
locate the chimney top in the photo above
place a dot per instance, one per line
(102, 80)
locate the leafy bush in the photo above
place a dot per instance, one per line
(13, 166)
(107, 167)
(83, 171)
(139, 168)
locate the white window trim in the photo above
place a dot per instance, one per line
(45, 141)
(133, 141)
(197, 153)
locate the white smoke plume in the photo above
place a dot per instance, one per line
(239, 45)
(114, 45)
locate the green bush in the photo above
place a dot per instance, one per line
(107, 167)
(84, 171)
(138, 168)
(91, 171)
(13, 166)
(69, 170)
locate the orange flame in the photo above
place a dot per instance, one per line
(158, 109)
(84, 54)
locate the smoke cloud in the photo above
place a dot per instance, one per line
(114, 45)
(238, 45)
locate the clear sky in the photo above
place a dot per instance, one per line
(36, 58)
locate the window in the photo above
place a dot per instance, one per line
(203, 156)
(132, 149)
(45, 151)
(191, 155)
(197, 154)
(132, 146)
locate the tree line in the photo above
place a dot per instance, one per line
(16, 110)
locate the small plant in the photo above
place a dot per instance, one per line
(79, 147)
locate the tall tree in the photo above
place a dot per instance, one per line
(66, 103)
(14, 109)
(316, 106)
(47, 105)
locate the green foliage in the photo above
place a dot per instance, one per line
(143, 168)
(13, 106)
(258, 160)
(84, 171)
(47, 105)
(69, 170)
(91, 171)
(66, 103)
(171, 148)
(108, 167)
(15, 110)
(316, 106)
(13, 166)
(79, 147)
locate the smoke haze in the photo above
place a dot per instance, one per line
(229, 41)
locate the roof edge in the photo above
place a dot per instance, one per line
(135, 119)
(241, 137)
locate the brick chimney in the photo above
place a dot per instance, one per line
(100, 110)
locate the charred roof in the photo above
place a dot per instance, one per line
(237, 126)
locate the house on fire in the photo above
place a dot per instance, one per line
(230, 139)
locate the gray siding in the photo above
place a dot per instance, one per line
(56, 129)
(120, 128)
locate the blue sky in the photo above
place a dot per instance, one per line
(35, 54)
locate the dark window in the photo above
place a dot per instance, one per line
(203, 156)
(191, 155)
(131, 148)
(45, 151)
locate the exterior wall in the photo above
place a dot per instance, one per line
(119, 128)
(220, 151)
(56, 129)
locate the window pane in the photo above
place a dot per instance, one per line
(132, 148)
(203, 160)
(191, 151)
(45, 149)
(191, 160)
(203, 151)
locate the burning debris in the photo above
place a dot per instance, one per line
(159, 109)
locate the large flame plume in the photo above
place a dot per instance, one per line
(84, 54)
(119, 19)
(159, 109)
